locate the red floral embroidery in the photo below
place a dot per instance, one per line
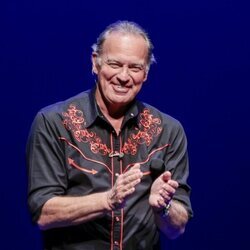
(148, 129)
(74, 121)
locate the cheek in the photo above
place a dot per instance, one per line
(139, 79)
(137, 87)
(107, 74)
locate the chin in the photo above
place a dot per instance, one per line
(119, 104)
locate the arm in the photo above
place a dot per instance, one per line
(162, 191)
(49, 205)
(61, 211)
(66, 211)
(174, 223)
(171, 187)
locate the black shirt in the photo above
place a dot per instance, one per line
(74, 151)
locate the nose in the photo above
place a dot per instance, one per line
(123, 76)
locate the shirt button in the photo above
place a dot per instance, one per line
(116, 243)
(132, 115)
(117, 219)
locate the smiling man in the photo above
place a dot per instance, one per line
(107, 171)
(121, 70)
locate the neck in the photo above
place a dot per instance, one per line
(110, 110)
(113, 113)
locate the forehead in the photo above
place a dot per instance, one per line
(125, 46)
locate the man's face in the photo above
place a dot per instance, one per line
(122, 68)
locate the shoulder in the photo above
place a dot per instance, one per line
(57, 109)
(166, 120)
(53, 114)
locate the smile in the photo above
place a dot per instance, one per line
(121, 89)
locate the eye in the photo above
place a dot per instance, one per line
(114, 65)
(136, 68)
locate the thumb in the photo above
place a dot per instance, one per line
(166, 176)
(136, 166)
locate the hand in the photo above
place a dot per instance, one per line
(124, 186)
(162, 191)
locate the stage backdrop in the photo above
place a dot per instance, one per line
(201, 78)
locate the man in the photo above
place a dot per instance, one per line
(105, 170)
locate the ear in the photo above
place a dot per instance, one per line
(145, 75)
(95, 65)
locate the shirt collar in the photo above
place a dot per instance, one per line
(132, 113)
(93, 111)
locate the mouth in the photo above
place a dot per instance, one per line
(121, 89)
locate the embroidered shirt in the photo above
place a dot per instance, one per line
(74, 151)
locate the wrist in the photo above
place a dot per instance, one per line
(108, 203)
(164, 212)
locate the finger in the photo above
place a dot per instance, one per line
(165, 195)
(128, 192)
(162, 202)
(122, 188)
(126, 179)
(136, 171)
(133, 174)
(136, 166)
(173, 184)
(131, 184)
(166, 176)
(169, 189)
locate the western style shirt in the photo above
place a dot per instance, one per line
(73, 150)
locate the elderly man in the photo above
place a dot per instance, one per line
(107, 171)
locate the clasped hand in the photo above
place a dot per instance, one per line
(124, 187)
(162, 191)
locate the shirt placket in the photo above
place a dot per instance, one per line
(117, 214)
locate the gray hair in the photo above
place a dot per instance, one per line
(125, 27)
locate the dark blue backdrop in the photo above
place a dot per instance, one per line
(201, 78)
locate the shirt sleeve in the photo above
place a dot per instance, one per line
(177, 163)
(47, 176)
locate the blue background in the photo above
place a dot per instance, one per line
(201, 78)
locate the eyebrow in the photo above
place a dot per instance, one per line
(130, 64)
(112, 60)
